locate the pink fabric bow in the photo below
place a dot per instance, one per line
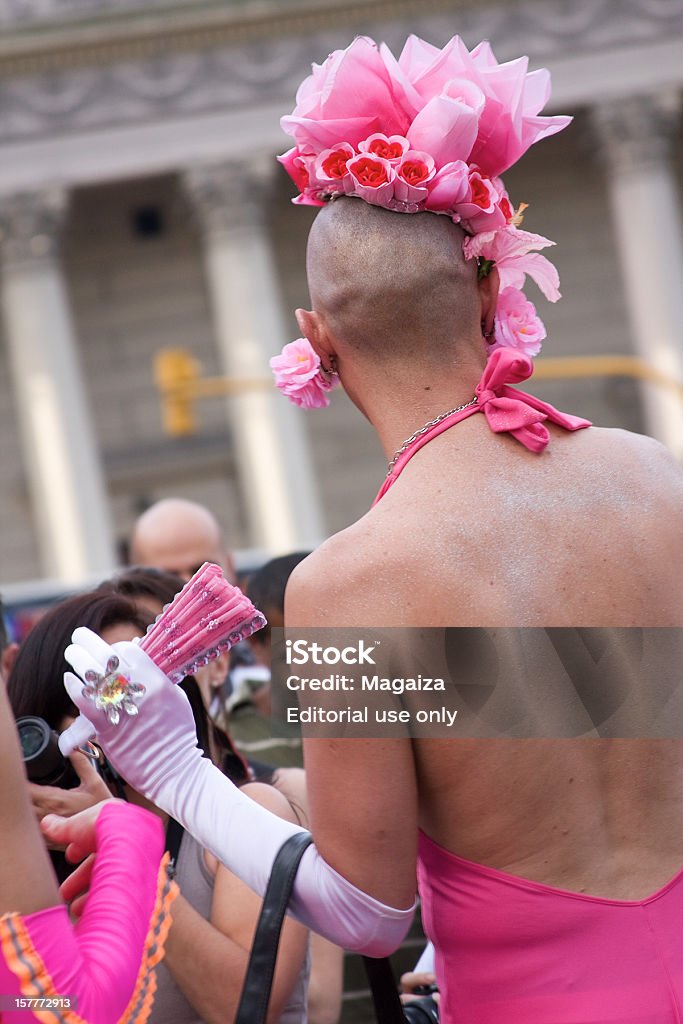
(508, 410)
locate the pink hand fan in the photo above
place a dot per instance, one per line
(208, 616)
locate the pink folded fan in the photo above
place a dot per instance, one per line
(208, 616)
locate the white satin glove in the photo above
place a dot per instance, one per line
(156, 753)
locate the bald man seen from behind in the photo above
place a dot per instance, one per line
(178, 536)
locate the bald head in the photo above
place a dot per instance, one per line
(389, 283)
(178, 536)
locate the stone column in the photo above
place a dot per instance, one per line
(60, 452)
(271, 448)
(634, 137)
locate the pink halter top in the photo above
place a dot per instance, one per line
(507, 410)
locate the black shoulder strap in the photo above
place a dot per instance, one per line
(174, 837)
(388, 1007)
(258, 980)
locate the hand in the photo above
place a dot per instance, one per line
(412, 980)
(75, 834)
(67, 802)
(153, 747)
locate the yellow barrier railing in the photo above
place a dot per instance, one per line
(178, 377)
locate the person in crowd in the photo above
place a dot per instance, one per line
(178, 536)
(549, 869)
(151, 590)
(215, 916)
(247, 711)
(103, 970)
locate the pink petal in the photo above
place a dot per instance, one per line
(543, 272)
(313, 135)
(449, 187)
(446, 128)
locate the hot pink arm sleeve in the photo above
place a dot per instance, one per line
(104, 963)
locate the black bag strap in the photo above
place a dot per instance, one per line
(388, 1006)
(258, 981)
(174, 837)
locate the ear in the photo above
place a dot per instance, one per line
(313, 327)
(489, 287)
(7, 659)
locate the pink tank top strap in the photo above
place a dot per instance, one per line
(507, 410)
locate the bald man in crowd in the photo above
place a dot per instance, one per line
(178, 536)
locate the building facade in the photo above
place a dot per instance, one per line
(141, 208)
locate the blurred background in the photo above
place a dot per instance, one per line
(147, 242)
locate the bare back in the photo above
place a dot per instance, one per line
(478, 531)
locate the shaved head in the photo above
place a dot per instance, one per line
(178, 536)
(392, 284)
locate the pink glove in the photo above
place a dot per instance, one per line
(156, 752)
(104, 963)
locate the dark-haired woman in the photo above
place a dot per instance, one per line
(215, 916)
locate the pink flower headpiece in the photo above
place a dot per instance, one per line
(433, 131)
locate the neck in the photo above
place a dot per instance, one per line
(399, 409)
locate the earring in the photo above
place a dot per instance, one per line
(488, 334)
(331, 369)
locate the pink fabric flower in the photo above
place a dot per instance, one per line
(508, 123)
(512, 252)
(447, 124)
(299, 169)
(347, 98)
(389, 147)
(299, 375)
(449, 187)
(330, 169)
(413, 176)
(373, 179)
(480, 210)
(517, 325)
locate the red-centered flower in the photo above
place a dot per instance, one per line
(506, 209)
(369, 172)
(481, 194)
(387, 150)
(334, 165)
(414, 172)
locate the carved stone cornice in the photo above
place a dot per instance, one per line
(231, 195)
(30, 225)
(206, 60)
(636, 132)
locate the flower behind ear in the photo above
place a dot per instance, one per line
(300, 376)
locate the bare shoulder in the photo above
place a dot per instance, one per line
(271, 798)
(338, 583)
(643, 459)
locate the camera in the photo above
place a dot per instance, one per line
(43, 760)
(421, 1011)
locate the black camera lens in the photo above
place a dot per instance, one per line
(421, 1011)
(44, 761)
(32, 737)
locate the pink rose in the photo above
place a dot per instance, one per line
(449, 187)
(298, 167)
(517, 325)
(447, 124)
(413, 175)
(348, 97)
(480, 211)
(299, 375)
(388, 147)
(512, 251)
(330, 168)
(373, 179)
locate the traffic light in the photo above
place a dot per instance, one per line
(176, 373)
